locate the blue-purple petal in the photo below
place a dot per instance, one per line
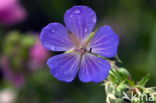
(105, 42)
(93, 69)
(80, 20)
(55, 37)
(64, 67)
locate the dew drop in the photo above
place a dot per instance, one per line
(52, 30)
(93, 18)
(53, 47)
(50, 46)
(85, 30)
(70, 15)
(77, 11)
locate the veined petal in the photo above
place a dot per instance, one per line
(93, 68)
(105, 42)
(80, 20)
(64, 67)
(55, 37)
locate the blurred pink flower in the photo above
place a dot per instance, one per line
(11, 12)
(38, 55)
(17, 70)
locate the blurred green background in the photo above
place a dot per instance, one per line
(24, 79)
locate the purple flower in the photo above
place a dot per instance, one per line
(80, 44)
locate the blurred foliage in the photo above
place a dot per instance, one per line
(17, 47)
(133, 20)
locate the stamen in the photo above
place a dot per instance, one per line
(90, 50)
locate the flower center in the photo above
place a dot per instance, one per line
(81, 50)
(81, 46)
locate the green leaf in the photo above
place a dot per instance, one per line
(144, 80)
(126, 76)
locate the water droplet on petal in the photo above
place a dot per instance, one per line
(53, 47)
(93, 18)
(52, 30)
(85, 30)
(50, 46)
(77, 11)
(70, 15)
